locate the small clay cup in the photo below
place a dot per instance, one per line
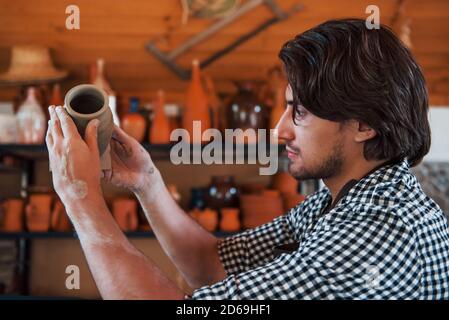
(86, 102)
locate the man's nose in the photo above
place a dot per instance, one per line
(285, 126)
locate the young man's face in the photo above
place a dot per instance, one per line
(316, 148)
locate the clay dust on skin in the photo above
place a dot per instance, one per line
(77, 188)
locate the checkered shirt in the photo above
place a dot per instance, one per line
(385, 239)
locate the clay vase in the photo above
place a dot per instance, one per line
(31, 120)
(214, 103)
(56, 97)
(86, 102)
(196, 107)
(98, 78)
(13, 215)
(246, 111)
(59, 220)
(230, 220)
(160, 128)
(279, 84)
(133, 123)
(125, 214)
(38, 212)
(208, 218)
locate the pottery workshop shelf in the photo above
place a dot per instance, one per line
(68, 235)
(157, 151)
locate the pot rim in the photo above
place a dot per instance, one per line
(75, 90)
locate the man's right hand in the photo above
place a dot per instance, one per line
(132, 166)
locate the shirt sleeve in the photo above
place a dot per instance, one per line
(373, 257)
(254, 247)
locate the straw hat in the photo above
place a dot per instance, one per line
(31, 64)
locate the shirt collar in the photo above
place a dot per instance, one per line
(386, 171)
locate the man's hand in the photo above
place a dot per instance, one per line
(132, 166)
(75, 163)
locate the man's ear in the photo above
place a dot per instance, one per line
(364, 132)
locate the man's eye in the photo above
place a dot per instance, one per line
(299, 114)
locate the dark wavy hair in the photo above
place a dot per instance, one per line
(341, 70)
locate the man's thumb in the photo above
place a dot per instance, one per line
(91, 135)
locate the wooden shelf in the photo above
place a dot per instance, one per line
(73, 235)
(160, 151)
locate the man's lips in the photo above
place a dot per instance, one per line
(291, 153)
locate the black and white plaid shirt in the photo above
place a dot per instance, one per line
(384, 239)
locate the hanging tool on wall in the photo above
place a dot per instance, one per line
(168, 59)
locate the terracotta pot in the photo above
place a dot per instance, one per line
(85, 103)
(291, 200)
(195, 214)
(13, 215)
(56, 97)
(125, 213)
(160, 128)
(59, 220)
(208, 219)
(133, 123)
(31, 120)
(259, 209)
(38, 212)
(196, 107)
(230, 221)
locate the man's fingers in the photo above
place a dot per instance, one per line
(67, 125)
(121, 136)
(54, 125)
(91, 136)
(49, 138)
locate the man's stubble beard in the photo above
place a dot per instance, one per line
(330, 166)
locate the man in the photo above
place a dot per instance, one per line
(356, 117)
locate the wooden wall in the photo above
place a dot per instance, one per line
(117, 30)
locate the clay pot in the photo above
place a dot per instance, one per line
(125, 213)
(246, 111)
(196, 107)
(195, 214)
(208, 219)
(291, 200)
(259, 209)
(86, 102)
(59, 220)
(13, 215)
(230, 220)
(56, 97)
(133, 123)
(38, 212)
(160, 128)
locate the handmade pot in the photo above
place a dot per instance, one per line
(125, 214)
(208, 219)
(133, 123)
(38, 212)
(13, 215)
(230, 221)
(59, 220)
(31, 120)
(86, 102)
